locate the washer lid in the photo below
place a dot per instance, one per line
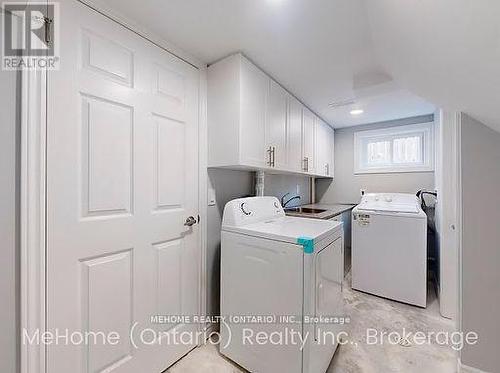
(287, 229)
(390, 202)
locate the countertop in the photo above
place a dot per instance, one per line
(332, 210)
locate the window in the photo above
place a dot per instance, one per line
(397, 149)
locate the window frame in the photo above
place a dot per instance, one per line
(425, 130)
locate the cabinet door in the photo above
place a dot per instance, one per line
(276, 125)
(324, 148)
(308, 141)
(322, 142)
(331, 167)
(254, 92)
(294, 135)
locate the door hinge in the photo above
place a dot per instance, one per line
(48, 30)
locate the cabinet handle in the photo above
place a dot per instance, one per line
(306, 164)
(269, 151)
(274, 156)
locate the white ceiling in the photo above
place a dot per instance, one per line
(447, 51)
(382, 53)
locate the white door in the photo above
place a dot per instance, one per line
(276, 125)
(294, 135)
(308, 138)
(122, 161)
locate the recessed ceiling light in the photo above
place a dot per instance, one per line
(356, 111)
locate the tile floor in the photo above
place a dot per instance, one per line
(366, 311)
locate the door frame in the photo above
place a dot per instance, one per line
(33, 246)
(447, 209)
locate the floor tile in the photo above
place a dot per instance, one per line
(356, 356)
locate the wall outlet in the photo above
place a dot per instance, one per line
(362, 192)
(298, 189)
(211, 197)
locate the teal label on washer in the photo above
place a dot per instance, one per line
(307, 243)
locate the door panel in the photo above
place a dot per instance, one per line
(107, 58)
(122, 177)
(169, 140)
(109, 274)
(107, 157)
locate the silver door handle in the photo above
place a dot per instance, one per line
(190, 221)
(270, 152)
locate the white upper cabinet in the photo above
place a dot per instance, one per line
(295, 160)
(253, 95)
(254, 123)
(308, 141)
(237, 99)
(331, 169)
(324, 148)
(276, 126)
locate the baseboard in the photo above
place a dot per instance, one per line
(462, 368)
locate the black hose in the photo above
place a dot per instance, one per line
(420, 195)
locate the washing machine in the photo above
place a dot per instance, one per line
(389, 247)
(281, 288)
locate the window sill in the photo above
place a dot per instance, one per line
(394, 171)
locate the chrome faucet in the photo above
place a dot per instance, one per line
(283, 203)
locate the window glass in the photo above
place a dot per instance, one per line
(397, 149)
(407, 150)
(378, 153)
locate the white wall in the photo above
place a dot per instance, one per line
(346, 185)
(278, 185)
(9, 215)
(480, 264)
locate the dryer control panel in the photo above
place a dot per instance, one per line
(243, 211)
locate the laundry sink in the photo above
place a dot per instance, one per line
(304, 210)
